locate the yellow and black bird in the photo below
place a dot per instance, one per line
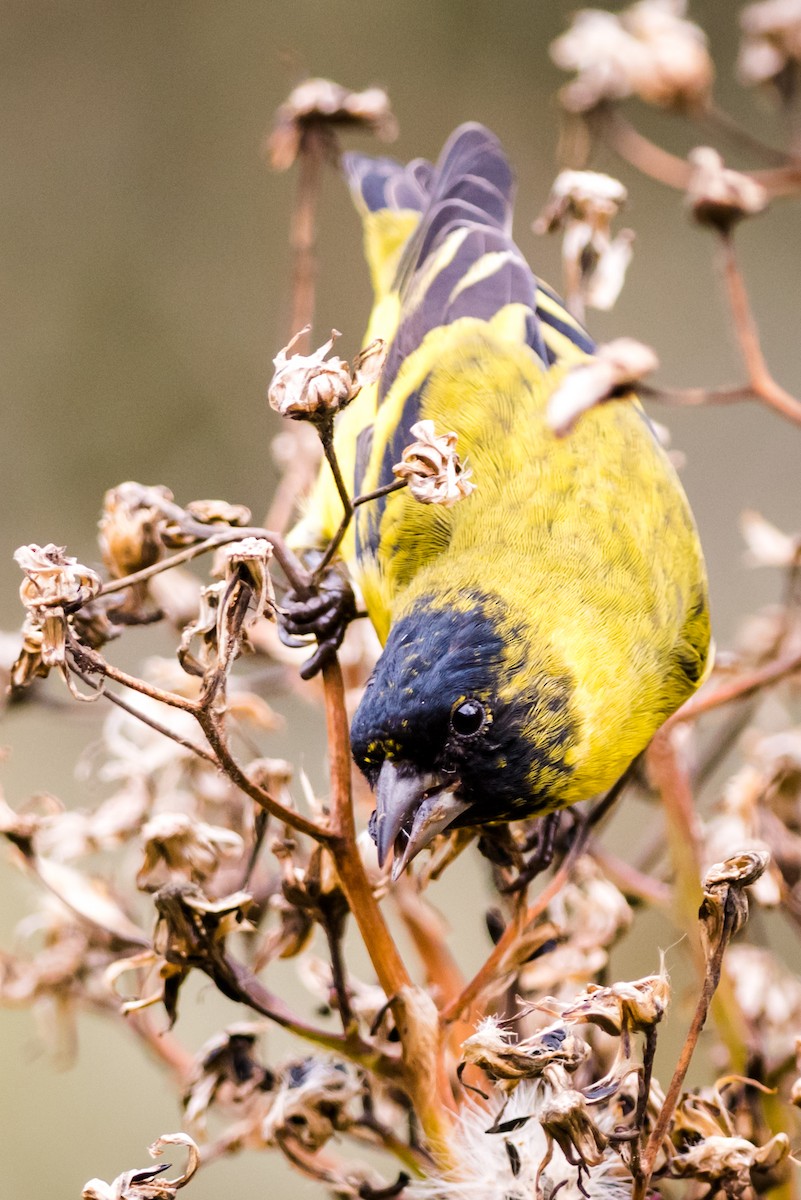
(538, 633)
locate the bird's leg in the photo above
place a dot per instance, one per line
(542, 842)
(321, 611)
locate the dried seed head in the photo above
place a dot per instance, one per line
(566, 1118)
(636, 1005)
(53, 580)
(432, 467)
(226, 1074)
(316, 1098)
(770, 51)
(718, 196)
(309, 387)
(323, 105)
(729, 1161)
(148, 1183)
(178, 845)
(649, 50)
(506, 1061)
(583, 204)
(131, 526)
(724, 908)
(219, 512)
(611, 373)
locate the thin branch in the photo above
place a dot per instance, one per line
(738, 688)
(89, 660)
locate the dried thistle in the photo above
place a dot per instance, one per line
(649, 50)
(310, 387)
(432, 467)
(718, 196)
(322, 105)
(582, 205)
(147, 1182)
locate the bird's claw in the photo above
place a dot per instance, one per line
(322, 613)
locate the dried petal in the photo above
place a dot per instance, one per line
(177, 844)
(214, 512)
(492, 1049)
(636, 1005)
(566, 1118)
(432, 467)
(611, 373)
(147, 1183)
(767, 545)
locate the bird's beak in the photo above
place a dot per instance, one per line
(411, 809)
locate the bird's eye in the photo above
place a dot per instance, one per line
(467, 718)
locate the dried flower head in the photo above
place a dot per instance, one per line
(323, 105)
(226, 1074)
(724, 908)
(728, 1162)
(718, 196)
(506, 1154)
(494, 1050)
(768, 997)
(583, 205)
(177, 845)
(131, 526)
(147, 1183)
(309, 387)
(432, 467)
(610, 374)
(621, 1007)
(649, 50)
(315, 1098)
(770, 51)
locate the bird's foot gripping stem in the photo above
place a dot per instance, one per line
(321, 612)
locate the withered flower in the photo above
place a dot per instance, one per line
(610, 374)
(55, 586)
(719, 196)
(218, 512)
(768, 996)
(583, 205)
(770, 51)
(177, 844)
(148, 1183)
(432, 467)
(636, 1005)
(323, 105)
(728, 1162)
(226, 1074)
(648, 50)
(507, 1061)
(315, 1098)
(565, 1117)
(724, 908)
(310, 387)
(131, 526)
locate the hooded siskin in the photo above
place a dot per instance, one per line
(539, 632)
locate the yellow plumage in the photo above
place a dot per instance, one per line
(566, 597)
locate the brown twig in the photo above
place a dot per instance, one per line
(423, 1068)
(738, 688)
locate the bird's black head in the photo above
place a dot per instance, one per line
(458, 726)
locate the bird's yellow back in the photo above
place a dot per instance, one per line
(580, 551)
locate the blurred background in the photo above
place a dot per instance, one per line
(144, 289)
